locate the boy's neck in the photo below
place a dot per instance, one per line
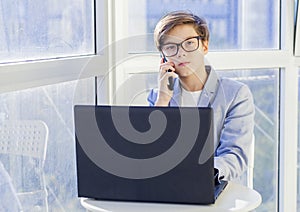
(194, 82)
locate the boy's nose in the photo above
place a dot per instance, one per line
(180, 51)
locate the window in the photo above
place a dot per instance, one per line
(51, 42)
(45, 29)
(263, 84)
(233, 24)
(53, 104)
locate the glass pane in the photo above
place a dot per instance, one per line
(264, 86)
(33, 29)
(54, 105)
(265, 89)
(233, 24)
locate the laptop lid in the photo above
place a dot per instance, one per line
(151, 154)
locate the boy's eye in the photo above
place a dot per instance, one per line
(169, 47)
(189, 42)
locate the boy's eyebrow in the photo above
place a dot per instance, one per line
(180, 41)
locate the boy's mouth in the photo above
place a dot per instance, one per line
(183, 64)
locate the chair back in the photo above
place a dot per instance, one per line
(23, 146)
(27, 138)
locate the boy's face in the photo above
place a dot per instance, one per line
(186, 63)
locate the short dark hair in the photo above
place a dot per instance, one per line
(172, 19)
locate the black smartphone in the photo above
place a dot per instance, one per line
(170, 79)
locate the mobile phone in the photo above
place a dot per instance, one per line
(170, 79)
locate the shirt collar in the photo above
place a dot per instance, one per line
(208, 94)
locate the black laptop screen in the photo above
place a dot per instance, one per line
(145, 153)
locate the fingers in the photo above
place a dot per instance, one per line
(167, 68)
(164, 80)
(164, 67)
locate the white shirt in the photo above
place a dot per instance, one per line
(190, 98)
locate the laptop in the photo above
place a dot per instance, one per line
(146, 154)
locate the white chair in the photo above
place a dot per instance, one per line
(251, 164)
(23, 145)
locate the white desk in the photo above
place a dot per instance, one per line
(235, 197)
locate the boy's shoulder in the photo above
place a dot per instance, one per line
(232, 83)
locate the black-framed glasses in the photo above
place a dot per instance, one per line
(188, 45)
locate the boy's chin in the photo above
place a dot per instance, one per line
(184, 72)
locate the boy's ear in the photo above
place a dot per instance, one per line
(205, 46)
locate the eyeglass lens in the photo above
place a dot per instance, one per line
(188, 45)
